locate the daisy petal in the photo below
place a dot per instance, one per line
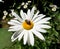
(15, 21)
(15, 18)
(25, 37)
(15, 36)
(21, 35)
(41, 30)
(31, 37)
(32, 11)
(29, 14)
(14, 14)
(11, 23)
(27, 17)
(40, 22)
(44, 26)
(15, 28)
(45, 19)
(28, 40)
(35, 15)
(22, 14)
(39, 18)
(39, 35)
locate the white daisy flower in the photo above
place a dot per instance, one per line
(54, 7)
(3, 17)
(25, 6)
(26, 3)
(22, 3)
(5, 13)
(29, 1)
(27, 25)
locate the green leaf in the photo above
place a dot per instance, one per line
(5, 40)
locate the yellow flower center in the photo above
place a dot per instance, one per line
(27, 24)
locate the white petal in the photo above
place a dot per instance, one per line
(22, 14)
(35, 15)
(31, 37)
(39, 35)
(44, 26)
(25, 37)
(28, 40)
(15, 18)
(39, 18)
(32, 11)
(45, 19)
(11, 23)
(27, 17)
(21, 35)
(40, 29)
(29, 14)
(15, 29)
(15, 36)
(40, 22)
(15, 21)
(14, 14)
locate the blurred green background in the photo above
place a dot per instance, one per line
(4, 38)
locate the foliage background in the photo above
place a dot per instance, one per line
(52, 36)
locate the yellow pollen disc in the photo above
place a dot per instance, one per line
(27, 25)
